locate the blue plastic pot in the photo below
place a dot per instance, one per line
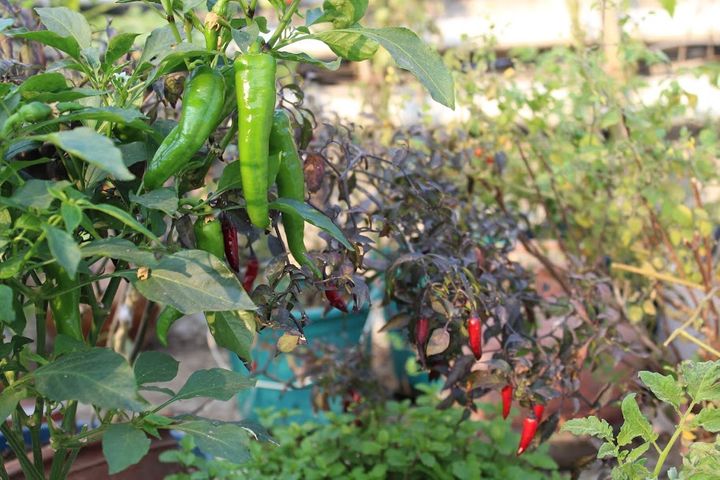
(335, 328)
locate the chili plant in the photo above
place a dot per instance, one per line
(100, 196)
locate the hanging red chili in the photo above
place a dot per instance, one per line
(529, 428)
(538, 410)
(333, 296)
(232, 252)
(475, 336)
(251, 273)
(422, 334)
(506, 394)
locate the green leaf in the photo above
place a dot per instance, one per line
(607, 449)
(123, 116)
(313, 217)
(7, 309)
(343, 13)
(412, 54)
(350, 45)
(72, 216)
(230, 177)
(233, 330)
(119, 45)
(194, 281)
(9, 398)
(610, 118)
(64, 249)
(664, 387)
(163, 199)
(307, 59)
(124, 445)
(637, 452)
(154, 367)
(219, 439)
(66, 23)
(702, 380)
(97, 376)
(121, 215)
(11, 267)
(51, 39)
(216, 383)
(592, 426)
(64, 96)
(709, 419)
(244, 37)
(669, 6)
(34, 194)
(157, 46)
(119, 249)
(43, 83)
(635, 425)
(93, 148)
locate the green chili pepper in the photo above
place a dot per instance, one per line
(65, 306)
(255, 88)
(30, 112)
(208, 237)
(167, 317)
(202, 109)
(195, 177)
(291, 184)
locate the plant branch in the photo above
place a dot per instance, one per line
(673, 439)
(284, 22)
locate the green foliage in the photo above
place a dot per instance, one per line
(391, 440)
(613, 177)
(698, 382)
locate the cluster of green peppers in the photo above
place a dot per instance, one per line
(267, 150)
(266, 144)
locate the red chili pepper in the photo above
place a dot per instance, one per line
(538, 410)
(352, 397)
(475, 334)
(529, 428)
(251, 273)
(232, 252)
(422, 334)
(335, 299)
(506, 394)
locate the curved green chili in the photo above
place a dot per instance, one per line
(291, 184)
(202, 109)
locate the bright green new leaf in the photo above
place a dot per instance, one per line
(635, 425)
(702, 380)
(664, 387)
